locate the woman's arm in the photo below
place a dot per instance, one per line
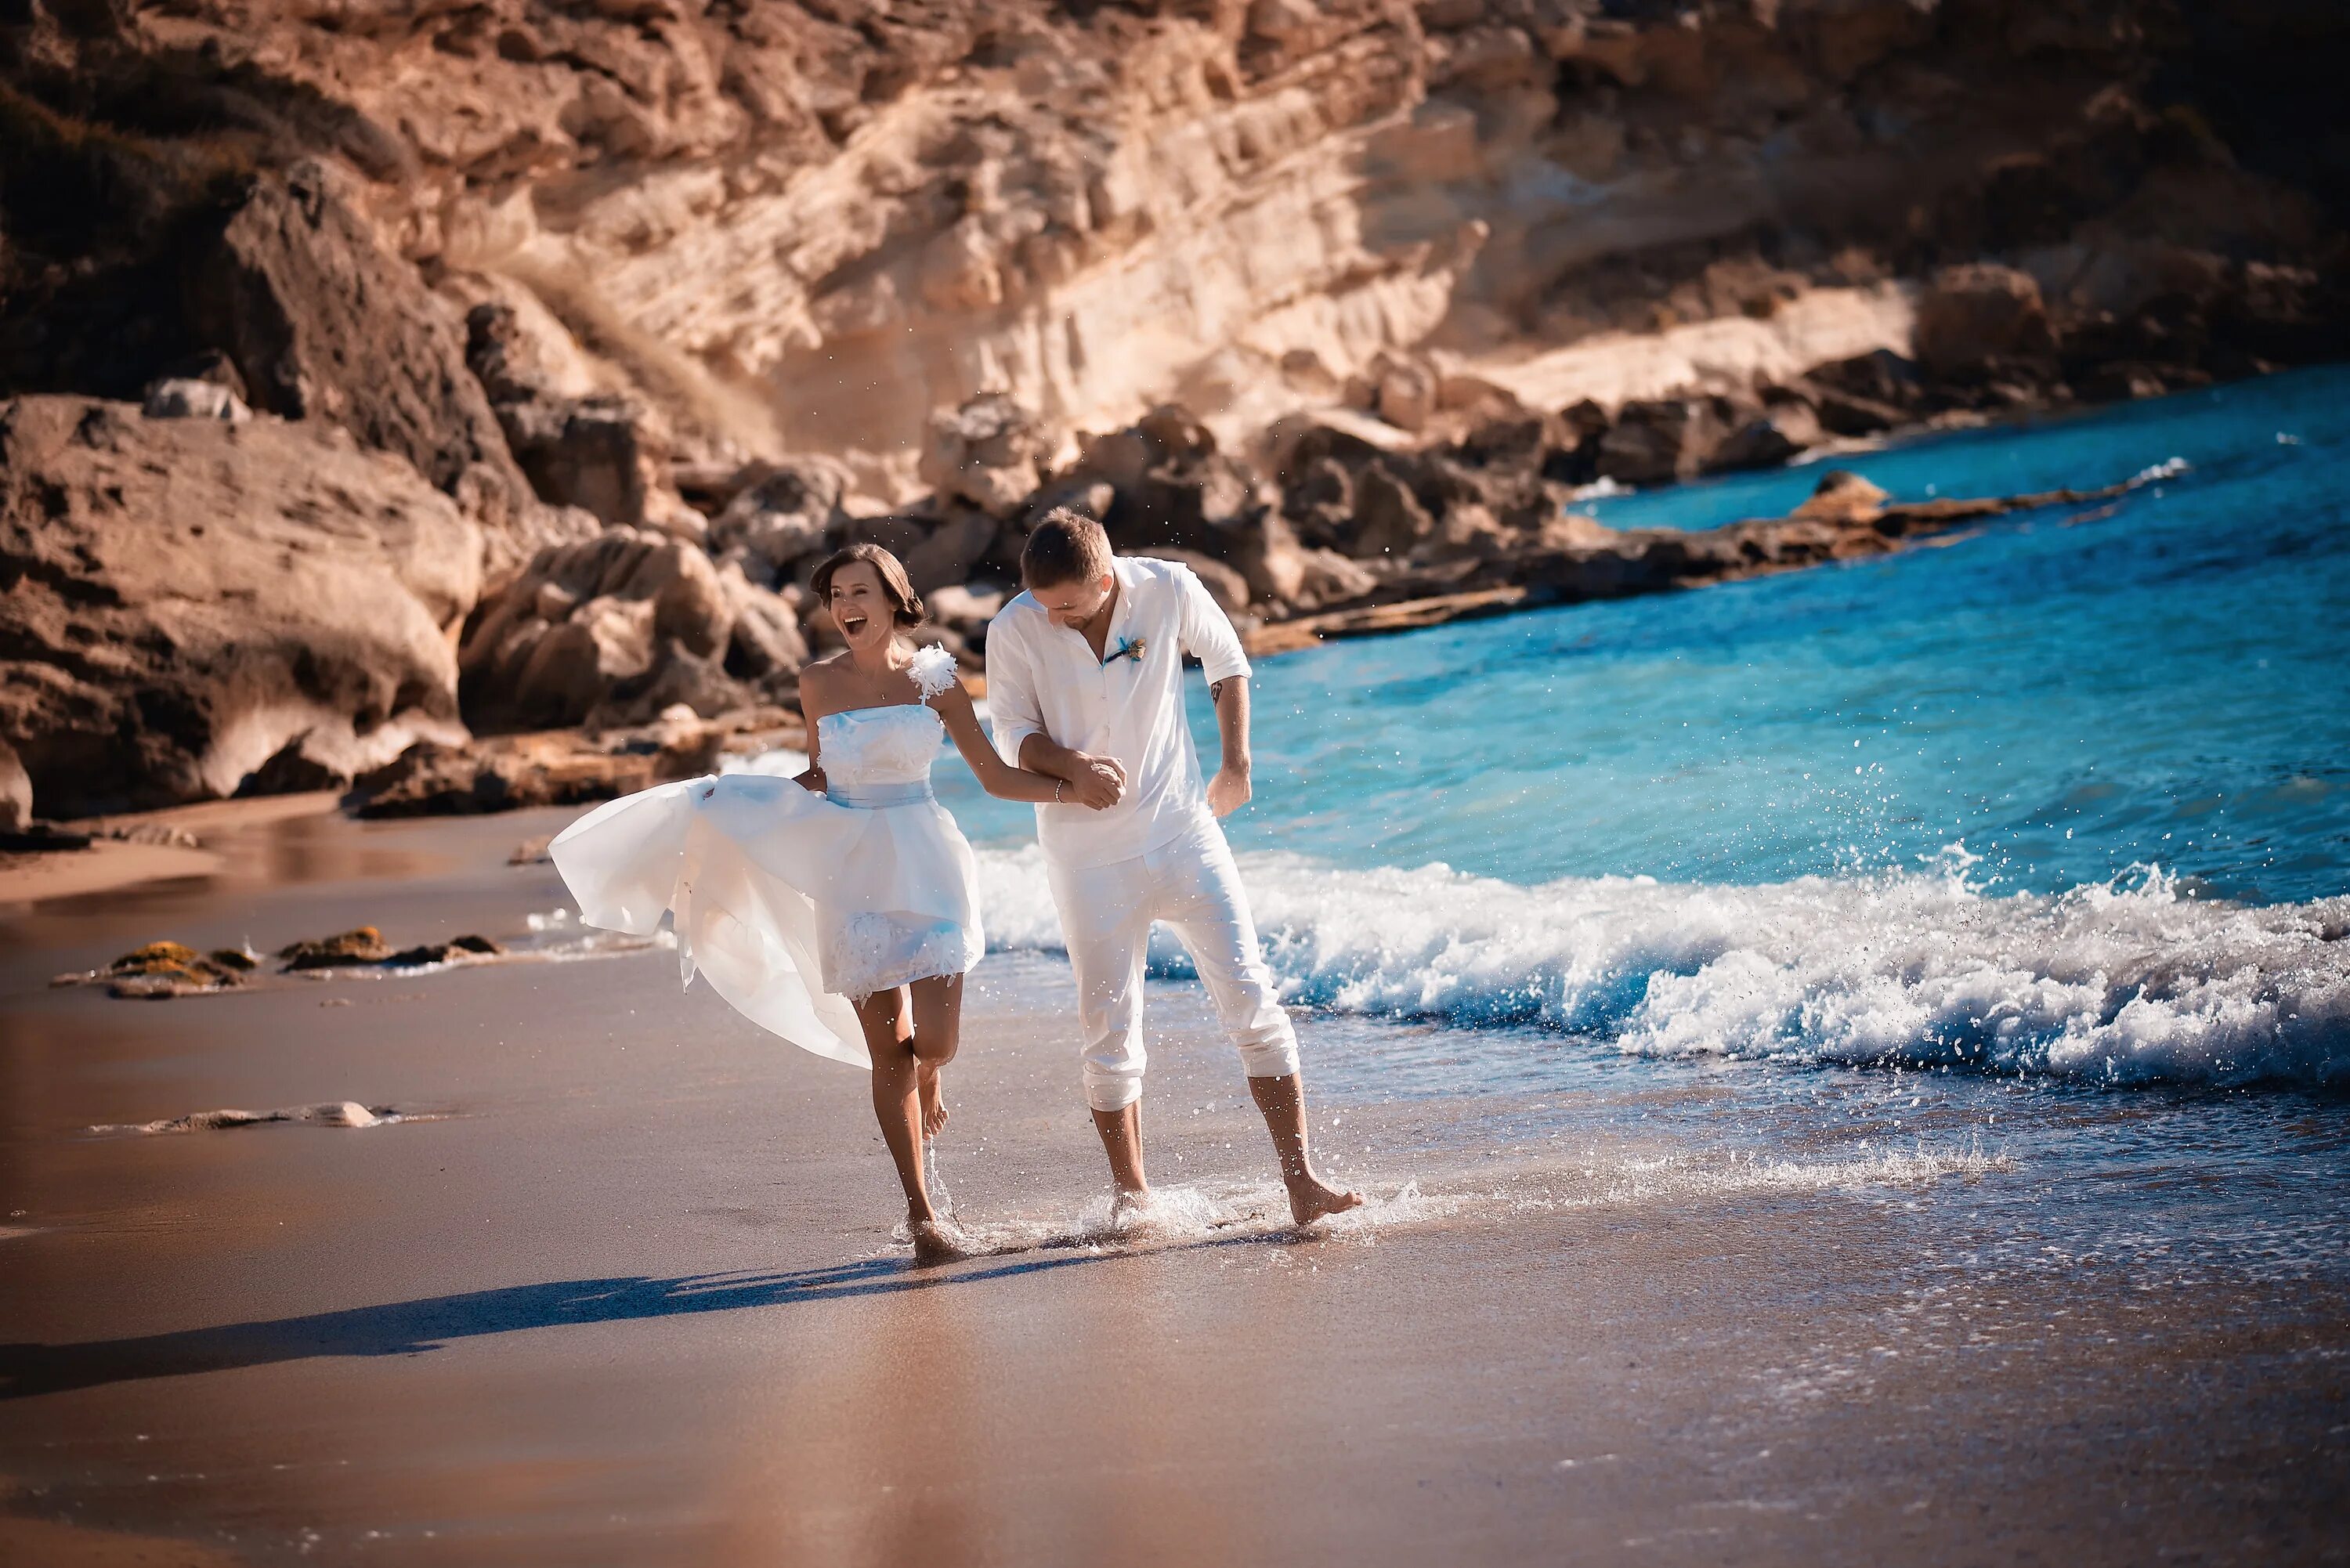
(996, 776)
(812, 708)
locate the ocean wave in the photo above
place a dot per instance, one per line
(2131, 981)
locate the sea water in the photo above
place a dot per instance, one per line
(2065, 793)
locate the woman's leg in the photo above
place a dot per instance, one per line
(889, 1024)
(936, 1032)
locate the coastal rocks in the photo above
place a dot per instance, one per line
(1842, 496)
(1973, 317)
(782, 515)
(987, 454)
(15, 791)
(323, 324)
(613, 631)
(188, 596)
(599, 453)
(364, 944)
(167, 969)
(563, 767)
(185, 397)
(1660, 440)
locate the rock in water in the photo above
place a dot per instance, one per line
(169, 969)
(190, 596)
(364, 944)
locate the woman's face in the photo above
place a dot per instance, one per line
(862, 607)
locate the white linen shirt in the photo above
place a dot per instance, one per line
(1043, 678)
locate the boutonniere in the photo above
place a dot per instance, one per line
(1131, 647)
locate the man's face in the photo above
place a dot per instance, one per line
(1073, 604)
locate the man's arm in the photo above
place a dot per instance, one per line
(1095, 783)
(1230, 790)
(1208, 635)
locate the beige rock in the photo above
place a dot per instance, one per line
(1842, 496)
(182, 397)
(15, 791)
(192, 596)
(611, 631)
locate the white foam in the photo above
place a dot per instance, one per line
(2130, 981)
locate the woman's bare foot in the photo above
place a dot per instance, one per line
(1129, 1209)
(934, 1101)
(1310, 1200)
(937, 1242)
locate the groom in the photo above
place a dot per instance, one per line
(1092, 653)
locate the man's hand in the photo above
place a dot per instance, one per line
(1095, 783)
(1228, 791)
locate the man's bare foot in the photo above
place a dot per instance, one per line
(934, 1101)
(937, 1242)
(1310, 1200)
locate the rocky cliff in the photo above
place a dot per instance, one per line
(745, 274)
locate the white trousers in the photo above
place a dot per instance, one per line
(1106, 911)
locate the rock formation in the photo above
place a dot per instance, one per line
(623, 315)
(185, 603)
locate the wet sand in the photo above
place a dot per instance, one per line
(623, 1290)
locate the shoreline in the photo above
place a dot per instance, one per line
(620, 1285)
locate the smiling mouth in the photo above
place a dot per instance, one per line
(851, 625)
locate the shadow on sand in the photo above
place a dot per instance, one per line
(407, 1328)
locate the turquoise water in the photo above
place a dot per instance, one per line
(2070, 791)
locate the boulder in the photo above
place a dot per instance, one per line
(1659, 441)
(1842, 496)
(1767, 440)
(959, 543)
(599, 452)
(1388, 518)
(614, 631)
(1172, 488)
(185, 397)
(563, 767)
(1977, 314)
(188, 595)
(322, 322)
(15, 791)
(987, 452)
(1224, 585)
(784, 514)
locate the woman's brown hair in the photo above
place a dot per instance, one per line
(905, 605)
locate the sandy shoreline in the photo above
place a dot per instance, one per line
(630, 1297)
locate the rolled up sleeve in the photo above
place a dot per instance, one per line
(1012, 707)
(1207, 631)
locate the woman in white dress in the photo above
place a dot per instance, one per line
(838, 909)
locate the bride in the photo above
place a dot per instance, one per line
(838, 909)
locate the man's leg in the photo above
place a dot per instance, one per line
(1205, 903)
(1106, 923)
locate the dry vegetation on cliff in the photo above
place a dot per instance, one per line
(657, 301)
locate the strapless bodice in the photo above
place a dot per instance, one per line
(869, 746)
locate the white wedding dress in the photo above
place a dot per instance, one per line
(789, 902)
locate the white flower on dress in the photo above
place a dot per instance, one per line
(933, 670)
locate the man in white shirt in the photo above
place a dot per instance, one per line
(1085, 682)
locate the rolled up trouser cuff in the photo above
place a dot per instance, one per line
(1274, 1058)
(1111, 1091)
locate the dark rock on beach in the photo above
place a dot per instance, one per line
(365, 944)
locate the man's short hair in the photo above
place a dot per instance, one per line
(1067, 546)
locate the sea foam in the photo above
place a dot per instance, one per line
(2131, 981)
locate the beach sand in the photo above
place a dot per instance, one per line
(619, 1287)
